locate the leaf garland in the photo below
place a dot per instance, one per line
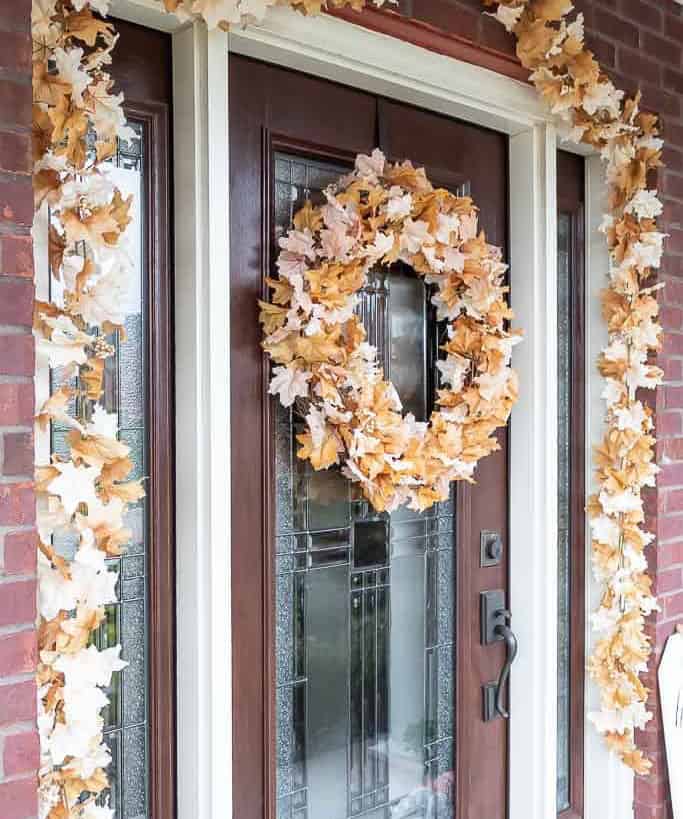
(550, 43)
(378, 215)
(76, 122)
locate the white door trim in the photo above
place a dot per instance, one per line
(202, 333)
(333, 49)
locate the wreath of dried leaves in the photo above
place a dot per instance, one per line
(379, 214)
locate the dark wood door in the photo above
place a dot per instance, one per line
(356, 692)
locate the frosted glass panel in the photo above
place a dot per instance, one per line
(364, 602)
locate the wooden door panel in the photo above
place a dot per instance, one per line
(264, 100)
(456, 153)
(274, 109)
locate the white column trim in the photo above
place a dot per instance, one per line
(200, 69)
(533, 477)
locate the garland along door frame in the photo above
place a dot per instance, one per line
(373, 680)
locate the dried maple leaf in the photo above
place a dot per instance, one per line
(84, 26)
(46, 184)
(113, 542)
(533, 43)
(97, 228)
(550, 10)
(408, 177)
(321, 456)
(48, 88)
(96, 450)
(320, 347)
(91, 377)
(41, 134)
(70, 129)
(308, 218)
(56, 248)
(129, 492)
(55, 407)
(637, 760)
(119, 210)
(282, 290)
(584, 68)
(271, 316)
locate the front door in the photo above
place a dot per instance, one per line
(360, 673)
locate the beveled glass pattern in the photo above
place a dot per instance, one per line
(365, 602)
(125, 390)
(564, 342)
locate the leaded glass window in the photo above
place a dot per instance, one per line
(365, 602)
(125, 393)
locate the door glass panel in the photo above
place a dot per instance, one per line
(364, 601)
(126, 715)
(564, 342)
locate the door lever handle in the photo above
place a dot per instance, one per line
(505, 633)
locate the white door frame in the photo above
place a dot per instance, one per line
(337, 50)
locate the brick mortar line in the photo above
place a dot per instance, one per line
(6, 277)
(13, 229)
(19, 528)
(17, 379)
(17, 679)
(621, 45)
(24, 776)
(10, 729)
(6, 579)
(19, 628)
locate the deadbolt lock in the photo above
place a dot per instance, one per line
(491, 548)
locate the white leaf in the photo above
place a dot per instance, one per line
(69, 67)
(289, 383)
(103, 423)
(74, 485)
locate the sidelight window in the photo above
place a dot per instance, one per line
(571, 492)
(138, 720)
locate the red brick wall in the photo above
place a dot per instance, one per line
(18, 737)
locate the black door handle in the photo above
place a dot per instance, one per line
(505, 633)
